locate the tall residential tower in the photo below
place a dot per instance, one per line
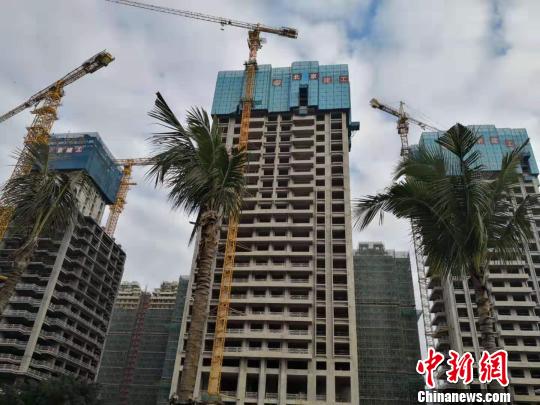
(291, 332)
(55, 323)
(514, 285)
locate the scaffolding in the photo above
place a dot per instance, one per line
(172, 343)
(141, 344)
(387, 332)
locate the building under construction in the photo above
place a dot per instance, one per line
(56, 321)
(513, 285)
(140, 348)
(387, 329)
(291, 334)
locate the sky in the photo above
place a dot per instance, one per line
(474, 62)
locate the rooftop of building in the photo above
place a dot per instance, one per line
(87, 151)
(277, 89)
(167, 288)
(493, 144)
(373, 248)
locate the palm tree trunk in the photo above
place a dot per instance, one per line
(21, 261)
(206, 253)
(486, 324)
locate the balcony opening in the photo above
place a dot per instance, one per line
(253, 363)
(341, 330)
(321, 388)
(341, 313)
(297, 387)
(229, 383)
(204, 381)
(343, 389)
(297, 365)
(341, 349)
(274, 346)
(321, 348)
(272, 364)
(343, 366)
(252, 386)
(271, 384)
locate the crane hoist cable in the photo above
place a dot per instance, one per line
(254, 44)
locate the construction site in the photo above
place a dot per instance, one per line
(294, 314)
(387, 326)
(149, 325)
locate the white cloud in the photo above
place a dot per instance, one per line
(438, 56)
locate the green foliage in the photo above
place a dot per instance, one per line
(463, 215)
(194, 163)
(44, 200)
(58, 391)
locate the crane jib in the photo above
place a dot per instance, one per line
(96, 62)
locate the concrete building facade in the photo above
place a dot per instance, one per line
(387, 326)
(514, 285)
(136, 366)
(55, 323)
(291, 335)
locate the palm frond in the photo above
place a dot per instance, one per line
(44, 200)
(194, 165)
(461, 214)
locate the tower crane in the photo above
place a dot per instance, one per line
(120, 200)
(403, 132)
(46, 103)
(402, 122)
(254, 44)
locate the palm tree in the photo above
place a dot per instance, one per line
(44, 203)
(205, 179)
(464, 216)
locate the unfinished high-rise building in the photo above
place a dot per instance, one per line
(387, 328)
(291, 334)
(140, 348)
(56, 321)
(514, 285)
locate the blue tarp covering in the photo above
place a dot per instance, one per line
(277, 89)
(493, 145)
(86, 151)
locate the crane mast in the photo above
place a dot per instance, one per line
(254, 44)
(403, 132)
(125, 183)
(402, 122)
(46, 104)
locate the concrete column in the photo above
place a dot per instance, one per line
(329, 271)
(262, 382)
(241, 386)
(283, 382)
(46, 300)
(183, 328)
(311, 382)
(351, 305)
